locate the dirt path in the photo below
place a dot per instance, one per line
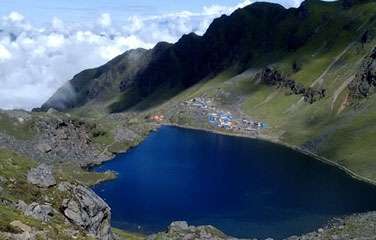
(320, 80)
(268, 98)
(339, 90)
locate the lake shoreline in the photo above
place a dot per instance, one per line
(276, 141)
(354, 217)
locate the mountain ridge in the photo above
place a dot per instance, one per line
(256, 65)
(316, 52)
(250, 36)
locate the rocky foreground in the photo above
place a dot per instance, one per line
(355, 227)
(43, 207)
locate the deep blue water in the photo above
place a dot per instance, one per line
(245, 187)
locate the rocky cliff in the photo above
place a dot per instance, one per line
(364, 83)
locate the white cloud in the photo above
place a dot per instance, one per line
(15, 17)
(36, 61)
(57, 24)
(4, 54)
(55, 40)
(105, 20)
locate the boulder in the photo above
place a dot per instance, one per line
(42, 212)
(44, 148)
(178, 226)
(20, 205)
(182, 231)
(2, 179)
(23, 227)
(52, 111)
(24, 232)
(87, 210)
(41, 176)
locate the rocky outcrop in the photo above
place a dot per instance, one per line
(181, 230)
(68, 139)
(355, 227)
(22, 231)
(41, 176)
(42, 212)
(56, 137)
(273, 77)
(44, 148)
(87, 210)
(364, 83)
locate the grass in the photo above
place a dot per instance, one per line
(8, 215)
(13, 127)
(126, 235)
(345, 137)
(71, 173)
(13, 165)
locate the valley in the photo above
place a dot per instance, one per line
(301, 77)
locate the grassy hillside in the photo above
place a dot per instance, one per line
(332, 127)
(318, 45)
(255, 36)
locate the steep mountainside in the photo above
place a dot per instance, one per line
(259, 34)
(307, 72)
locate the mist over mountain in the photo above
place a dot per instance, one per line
(253, 36)
(40, 58)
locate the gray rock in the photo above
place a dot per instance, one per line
(21, 205)
(364, 83)
(63, 186)
(23, 227)
(178, 226)
(87, 210)
(43, 212)
(26, 232)
(52, 111)
(44, 148)
(182, 231)
(41, 176)
(123, 134)
(2, 179)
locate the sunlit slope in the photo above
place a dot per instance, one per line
(319, 45)
(333, 127)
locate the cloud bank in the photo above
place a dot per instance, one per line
(36, 61)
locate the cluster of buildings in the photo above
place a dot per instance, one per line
(199, 102)
(227, 121)
(252, 125)
(157, 118)
(221, 119)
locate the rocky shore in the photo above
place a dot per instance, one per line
(78, 210)
(355, 227)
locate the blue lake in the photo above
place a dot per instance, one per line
(244, 187)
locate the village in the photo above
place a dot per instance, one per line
(220, 118)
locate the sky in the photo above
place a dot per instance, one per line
(44, 43)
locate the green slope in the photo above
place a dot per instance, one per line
(317, 45)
